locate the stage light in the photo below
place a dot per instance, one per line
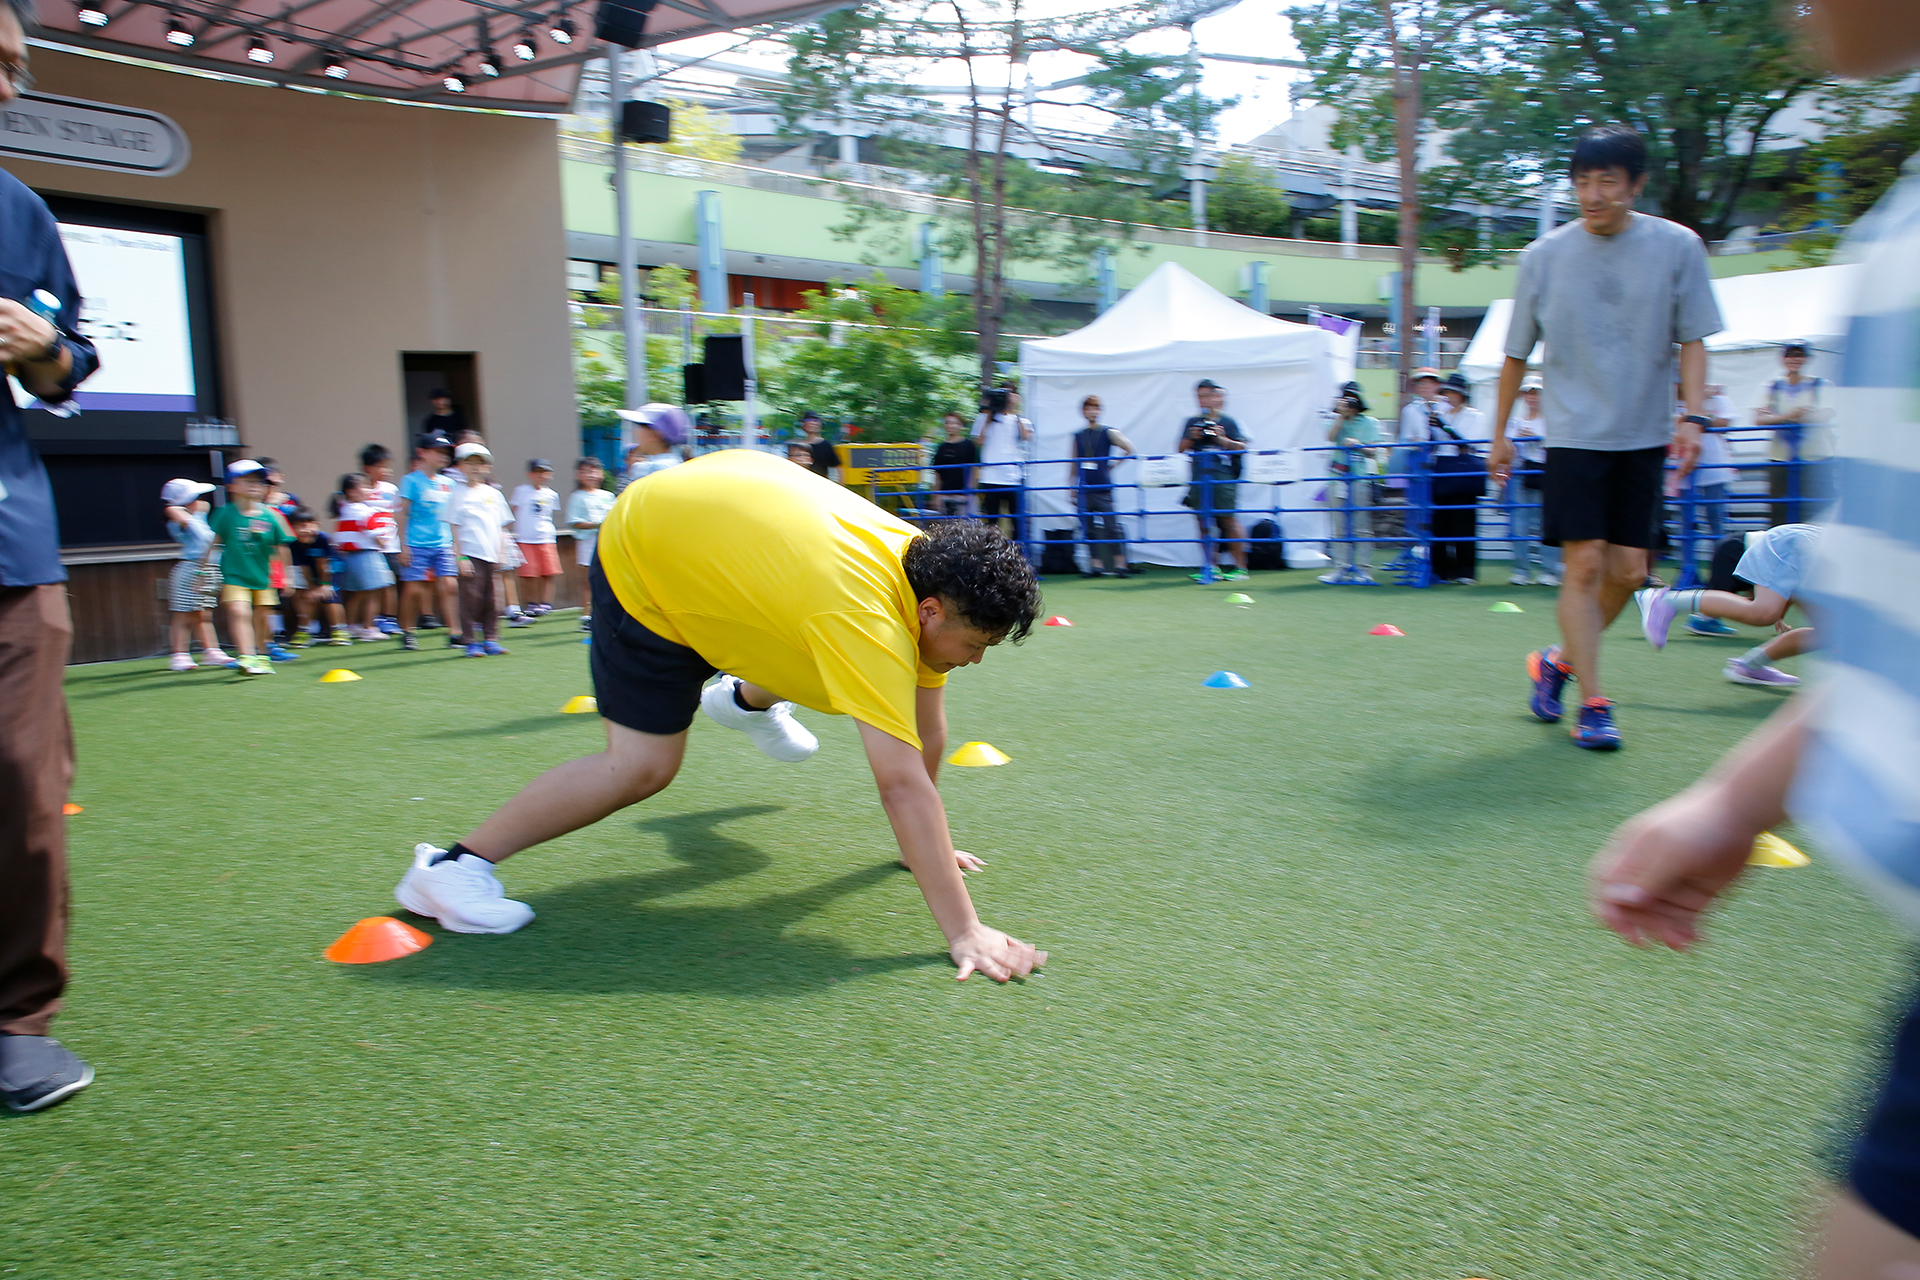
(335, 68)
(257, 51)
(560, 33)
(91, 14)
(490, 65)
(177, 33)
(524, 48)
(453, 83)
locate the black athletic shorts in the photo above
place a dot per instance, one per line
(640, 680)
(1599, 493)
(1878, 1156)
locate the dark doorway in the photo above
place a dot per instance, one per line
(424, 372)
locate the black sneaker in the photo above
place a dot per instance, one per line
(430, 622)
(407, 642)
(38, 1071)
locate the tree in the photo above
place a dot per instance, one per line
(1513, 83)
(1246, 202)
(888, 358)
(701, 133)
(1871, 131)
(1369, 57)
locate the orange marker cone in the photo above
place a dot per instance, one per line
(71, 809)
(1057, 621)
(375, 939)
(1386, 629)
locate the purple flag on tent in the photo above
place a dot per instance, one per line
(1337, 324)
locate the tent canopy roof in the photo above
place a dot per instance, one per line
(399, 49)
(1175, 322)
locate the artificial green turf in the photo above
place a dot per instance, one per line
(1324, 998)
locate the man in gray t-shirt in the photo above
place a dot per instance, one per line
(1611, 294)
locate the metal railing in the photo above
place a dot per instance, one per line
(1405, 507)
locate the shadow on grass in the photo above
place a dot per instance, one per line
(615, 934)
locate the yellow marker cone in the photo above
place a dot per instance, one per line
(1771, 851)
(580, 706)
(978, 755)
(339, 675)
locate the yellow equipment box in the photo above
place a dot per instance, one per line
(871, 464)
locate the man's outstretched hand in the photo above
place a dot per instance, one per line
(995, 954)
(1666, 866)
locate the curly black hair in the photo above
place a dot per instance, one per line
(985, 576)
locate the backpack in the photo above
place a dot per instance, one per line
(1057, 556)
(1266, 554)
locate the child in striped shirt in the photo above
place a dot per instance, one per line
(359, 530)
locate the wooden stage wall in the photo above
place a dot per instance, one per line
(120, 606)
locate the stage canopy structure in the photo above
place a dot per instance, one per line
(465, 53)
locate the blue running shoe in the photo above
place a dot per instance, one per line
(495, 649)
(476, 650)
(1549, 678)
(279, 653)
(1595, 730)
(1699, 624)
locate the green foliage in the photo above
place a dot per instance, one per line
(1872, 130)
(1244, 201)
(890, 359)
(1516, 82)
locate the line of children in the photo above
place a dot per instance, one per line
(447, 525)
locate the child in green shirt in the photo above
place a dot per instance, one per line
(251, 536)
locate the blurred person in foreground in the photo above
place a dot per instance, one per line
(48, 359)
(1844, 760)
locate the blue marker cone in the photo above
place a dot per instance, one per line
(586, 639)
(1225, 680)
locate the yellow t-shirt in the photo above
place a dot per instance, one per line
(777, 576)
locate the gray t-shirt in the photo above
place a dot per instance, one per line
(1610, 309)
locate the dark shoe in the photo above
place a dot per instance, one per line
(1549, 678)
(1595, 730)
(408, 643)
(429, 622)
(38, 1071)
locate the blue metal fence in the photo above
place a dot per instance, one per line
(1369, 510)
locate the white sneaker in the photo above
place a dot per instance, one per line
(461, 893)
(215, 658)
(180, 662)
(774, 730)
(1519, 580)
(1547, 580)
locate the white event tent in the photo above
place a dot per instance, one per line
(1142, 358)
(1760, 311)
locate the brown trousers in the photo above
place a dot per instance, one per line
(36, 772)
(478, 609)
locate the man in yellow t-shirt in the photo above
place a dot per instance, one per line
(801, 591)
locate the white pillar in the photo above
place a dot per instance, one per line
(1349, 211)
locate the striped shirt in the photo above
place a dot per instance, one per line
(361, 527)
(1858, 785)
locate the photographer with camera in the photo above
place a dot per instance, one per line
(1216, 443)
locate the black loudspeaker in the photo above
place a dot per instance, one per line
(726, 367)
(646, 122)
(693, 383)
(622, 22)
